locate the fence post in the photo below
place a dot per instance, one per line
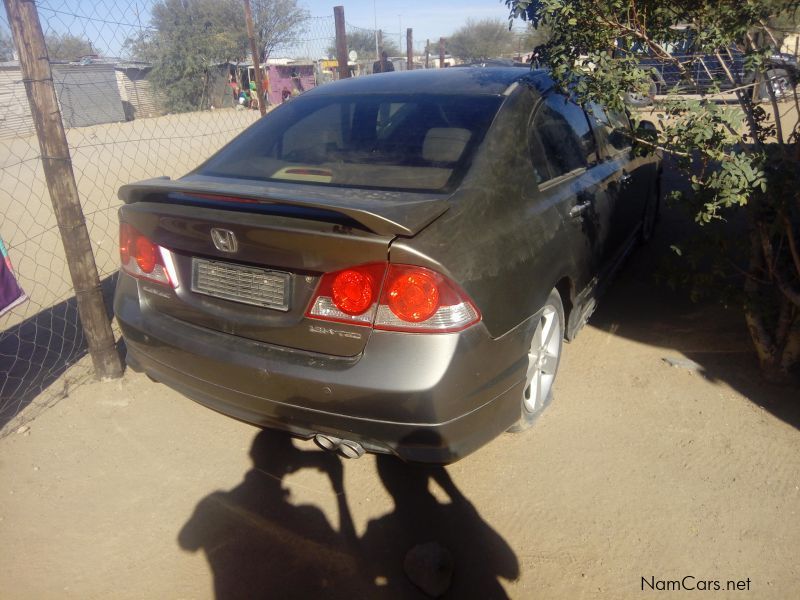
(410, 49)
(248, 17)
(441, 53)
(341, 42)
(427, 53)
(57, 165)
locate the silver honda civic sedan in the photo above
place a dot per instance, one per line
(386, 264)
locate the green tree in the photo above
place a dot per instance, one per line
(533, 37)
(481, 40)
(188, 43)
(277, 23)
(6, 45)
(67, 46)
(739, 160)
(363, 42)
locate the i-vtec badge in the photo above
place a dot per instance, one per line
(224, 240)
(337, 332)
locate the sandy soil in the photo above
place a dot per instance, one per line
(638, 470)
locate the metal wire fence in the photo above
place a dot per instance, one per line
(146, 88)
(120, 128)
(316, 42)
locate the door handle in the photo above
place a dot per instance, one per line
(579, 209)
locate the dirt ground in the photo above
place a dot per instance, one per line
(639, 475)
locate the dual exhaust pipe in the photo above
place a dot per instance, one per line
(345, 448)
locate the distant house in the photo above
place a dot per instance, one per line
(289, 80)
(87, 95)
(15, 113)
(138, 98)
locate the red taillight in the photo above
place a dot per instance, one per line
(353, 291)
(126, 239)
(349, 296)
(146, 252)
(144, 259)
(412, 299)
(412, 295)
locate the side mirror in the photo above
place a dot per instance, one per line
(647, 126)
(646, 131)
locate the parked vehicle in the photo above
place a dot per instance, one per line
(705, 71)
(387, 263)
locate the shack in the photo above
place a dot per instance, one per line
(87, 95)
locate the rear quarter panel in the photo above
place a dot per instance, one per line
(502, 241)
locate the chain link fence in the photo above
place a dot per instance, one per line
(146, 88)
(120, 127)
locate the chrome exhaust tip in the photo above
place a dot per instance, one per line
(345, 448)
(327, 442)
(351, 449)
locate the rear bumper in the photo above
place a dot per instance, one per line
(425, 398)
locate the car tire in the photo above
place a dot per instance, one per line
(544, 356)
(652, 211)
(781, 84)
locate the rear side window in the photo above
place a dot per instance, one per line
(560, 138)
(414, 142)
(612, 127)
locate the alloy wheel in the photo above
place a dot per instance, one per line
(543, 360)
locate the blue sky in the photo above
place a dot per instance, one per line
(429, 18)
(108, 22)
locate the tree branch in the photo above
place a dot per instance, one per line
(772, 100)
(793, 249)
(746, 106)
(762, 340)
(774, 269)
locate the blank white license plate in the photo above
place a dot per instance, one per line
(241, 283)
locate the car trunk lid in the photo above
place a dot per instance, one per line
(260, 287)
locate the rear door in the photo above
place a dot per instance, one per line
(565, 160)
(627, 182)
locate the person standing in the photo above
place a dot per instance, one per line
(253, 95)
(265, 88)
(234, 87)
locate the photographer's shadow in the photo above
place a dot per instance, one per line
(259, 545)
(445, 548)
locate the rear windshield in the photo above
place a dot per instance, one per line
(413, 142)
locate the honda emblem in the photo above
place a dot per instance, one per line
(224, 240)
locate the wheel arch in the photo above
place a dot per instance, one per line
(566, 289)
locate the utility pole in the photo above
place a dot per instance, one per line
(377, 43)
(409, 49)
(441, 53)
(57, 165)
(248, 17)
(341, 42)
(427, 53)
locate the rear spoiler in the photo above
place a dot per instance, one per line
(383, 212)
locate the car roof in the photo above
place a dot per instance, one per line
(468, 80)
